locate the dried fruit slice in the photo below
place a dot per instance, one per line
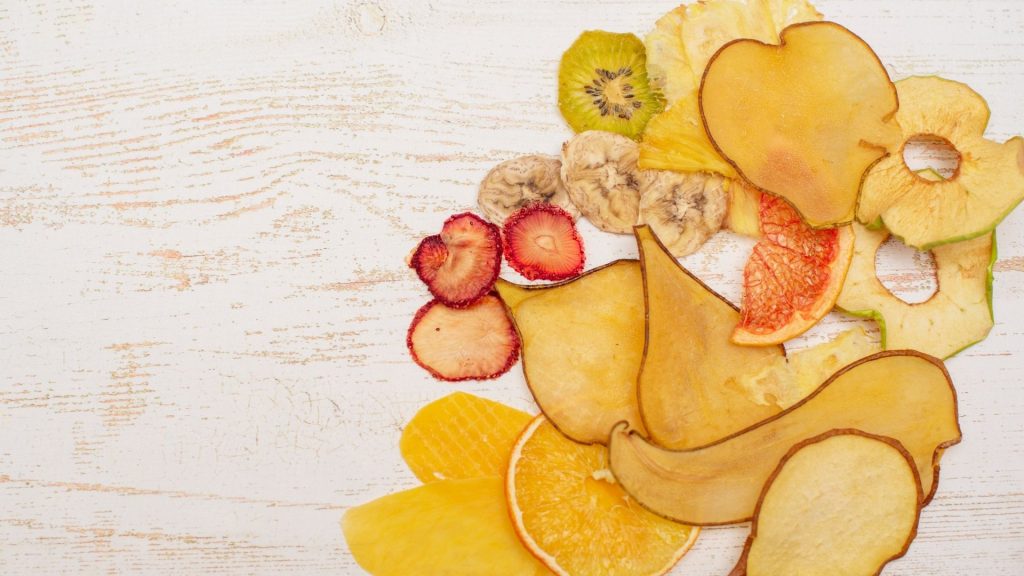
(515, 183)
(803, 119)
(582, 344)
(686, 389)
(473, 343)
(957, 315)
(685, 39)
(455, 527)
(602, 84)
(786, 380)
(793, 276)
(461, 436)
(461, 264)
(541, 243)
(744, 215)
(987, 186)
(861, 512)
(600, 173)
(684, 209)
(678, 49)
(676, 140)
(570, 513)
(902, 394)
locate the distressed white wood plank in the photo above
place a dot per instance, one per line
(204, 212)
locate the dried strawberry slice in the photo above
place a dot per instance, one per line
(541, 243)
(461, 264)
(478, 342)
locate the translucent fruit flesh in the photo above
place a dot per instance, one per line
(572, 515)
(461, 436)
(803, 119)
(453, 527)
(793, 275)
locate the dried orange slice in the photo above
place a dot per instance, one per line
(572, 515)
(793, 276)
(461, 436)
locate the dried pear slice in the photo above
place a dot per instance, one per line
(600, 172)
(687, 390)
(988, 184)
(582, 341)
(453, 527)
(684, 208)
(513, 184)
(957, 315)
(678, 50)
(902, 394)
(846, 502)
(685, 39)
(803, 119)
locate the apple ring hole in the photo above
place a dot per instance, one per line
(906, 273)
(930, 151)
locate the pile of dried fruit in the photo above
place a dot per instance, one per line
(666, 408)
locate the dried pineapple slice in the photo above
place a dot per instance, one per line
(988, 184)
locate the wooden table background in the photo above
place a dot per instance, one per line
(204, 211)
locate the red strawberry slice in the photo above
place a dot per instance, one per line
(461, 264)
(541, 243)
(473, 343)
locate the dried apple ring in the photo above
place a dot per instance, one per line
(988, 184)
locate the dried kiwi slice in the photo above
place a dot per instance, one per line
(603, 84)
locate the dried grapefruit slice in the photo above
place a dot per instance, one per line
(793, 276)
(573, 516)
(461, 436)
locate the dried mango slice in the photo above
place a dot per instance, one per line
(461, 436)
(454, 527)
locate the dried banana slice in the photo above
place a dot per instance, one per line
(515, 183)
(599, 170)
(684, 208)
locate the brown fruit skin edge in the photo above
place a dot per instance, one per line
(647, 307)
(782, 42)
(509, 485)
(509, 362)
(519, 335)
(741, 565)
(935, 457)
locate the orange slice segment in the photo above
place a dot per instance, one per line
(572, 515)
(793, 276)
(461, 436)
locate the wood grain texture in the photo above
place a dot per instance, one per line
(204, 211)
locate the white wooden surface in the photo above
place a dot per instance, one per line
(204, 210)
